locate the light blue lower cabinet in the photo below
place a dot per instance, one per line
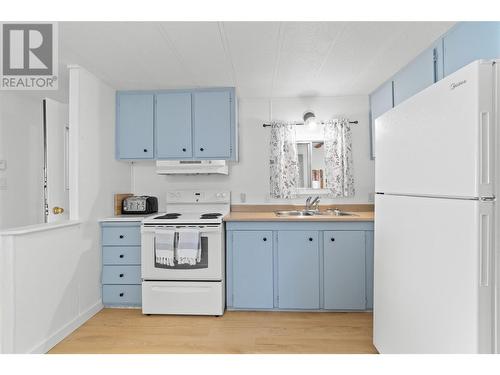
(344, 270)
(298, 266)
(252, 265)
(122, 295)
(121, 264)
(298, 270)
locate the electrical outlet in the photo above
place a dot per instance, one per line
(243, 197)
(371, 197)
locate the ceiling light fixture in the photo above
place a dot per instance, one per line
(309, 119)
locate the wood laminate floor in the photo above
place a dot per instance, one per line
(128, 331)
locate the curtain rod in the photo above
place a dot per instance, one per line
(301, 123)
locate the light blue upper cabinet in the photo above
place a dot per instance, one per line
(173, 125)
(135, 128)
(422, 72)
(381, 100)
(344, 270)
(213, 124)
(298, 269)
(469, 41)
(252, 269)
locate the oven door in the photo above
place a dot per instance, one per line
(210, 266)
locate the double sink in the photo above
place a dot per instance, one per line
(306, 212)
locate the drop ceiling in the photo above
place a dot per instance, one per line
(261, 59)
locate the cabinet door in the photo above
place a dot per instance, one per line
(212, 124)
(344, 270)
(469, 41)
(417, 75)
(134, 126)
(298, 270)
(369, 269)
(381, 100)
(173, 125)
(252, 269)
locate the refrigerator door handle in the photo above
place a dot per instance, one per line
(484, 250)
(485, 136)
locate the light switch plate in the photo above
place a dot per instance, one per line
(3, 165)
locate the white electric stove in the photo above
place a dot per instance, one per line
(190, 289)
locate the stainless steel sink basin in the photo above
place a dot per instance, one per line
(336, 212)
(293, 213)
(329, 212)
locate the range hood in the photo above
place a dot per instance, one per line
(191, 167)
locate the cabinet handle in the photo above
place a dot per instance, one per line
(145, 150)
(121, 294)
(121, 255)
(264, 239)
(333, 239)
(184, 150)
(201, 149)
(310, 239)
(121, 275)
(121, 236)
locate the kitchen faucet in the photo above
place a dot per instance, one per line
(312, 205)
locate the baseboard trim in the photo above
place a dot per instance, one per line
(66, 330)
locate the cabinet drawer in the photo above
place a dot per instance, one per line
(126, 295)
(119, 255)
(121, 274)
(121, 235)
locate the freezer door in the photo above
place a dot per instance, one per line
(433, 275)
(440, 141)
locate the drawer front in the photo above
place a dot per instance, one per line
(121, 274)
(120, 255)
(121, 235)
(125, 295)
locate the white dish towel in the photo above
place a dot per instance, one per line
(164, 247)
(188, 247)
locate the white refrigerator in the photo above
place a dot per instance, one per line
(434, 286)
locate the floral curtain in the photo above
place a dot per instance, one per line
(284, 173)
(338, 158)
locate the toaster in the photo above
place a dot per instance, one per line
(139, 205)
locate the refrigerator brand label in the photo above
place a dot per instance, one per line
(454, 85)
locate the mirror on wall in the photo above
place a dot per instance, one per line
(311, 162)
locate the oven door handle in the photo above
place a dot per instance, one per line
(203, 230)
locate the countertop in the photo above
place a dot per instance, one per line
(130, 218)
(271, 216)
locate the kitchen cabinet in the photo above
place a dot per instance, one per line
(298, 267)
(252, 265)
(135, 125)
(173, 137)
(420, 73)
(298, 270)
(212, 124)
(369, 247)
(193, 124)
(121, 263)
(381, 100)
(469, 41)
(344, 270)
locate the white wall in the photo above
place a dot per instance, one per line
(95, 175)
(251, 174)
(50, 276)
